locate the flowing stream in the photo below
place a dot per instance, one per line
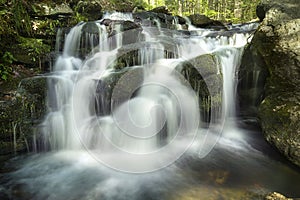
(124, 121)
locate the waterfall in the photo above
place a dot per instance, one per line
(127, 96)
(144, 116)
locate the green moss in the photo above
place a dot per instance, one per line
(21, 18)
(31, 50)
(280, 115)
(5, 65)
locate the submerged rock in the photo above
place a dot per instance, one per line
(276, 50)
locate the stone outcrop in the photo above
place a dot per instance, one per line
(275, 52)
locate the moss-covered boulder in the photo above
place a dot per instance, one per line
(277, 44)
(118, 87)
(205, 78)
(280, 116)
(92, 10)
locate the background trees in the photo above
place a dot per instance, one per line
(226, 10)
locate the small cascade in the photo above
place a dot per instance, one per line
(147, 108)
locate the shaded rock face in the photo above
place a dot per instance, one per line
(91, 10)
(276, 49)
(252, 77)
(21, 116)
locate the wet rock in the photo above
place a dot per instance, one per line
(117, 88)
(252, 77)
(130, 31)
(202, 74)
(276, 44)
(20, 117)
(90, 28)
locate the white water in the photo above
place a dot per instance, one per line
(151, 118)
(163, 119)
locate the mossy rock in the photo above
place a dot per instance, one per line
(277, 42)
(92, 10)
(21, 116)
(116, 88)
(205, 78)
(280, 115)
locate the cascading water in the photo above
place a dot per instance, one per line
(129, 106)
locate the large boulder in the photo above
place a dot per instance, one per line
(202, 21)
(276, 44)
(202, 74)
(288, 8)
(92, 10)
(161, 9)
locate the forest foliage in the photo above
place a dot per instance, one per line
(225, 10)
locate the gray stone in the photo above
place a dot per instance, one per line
(203, 21)
(277, 44)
